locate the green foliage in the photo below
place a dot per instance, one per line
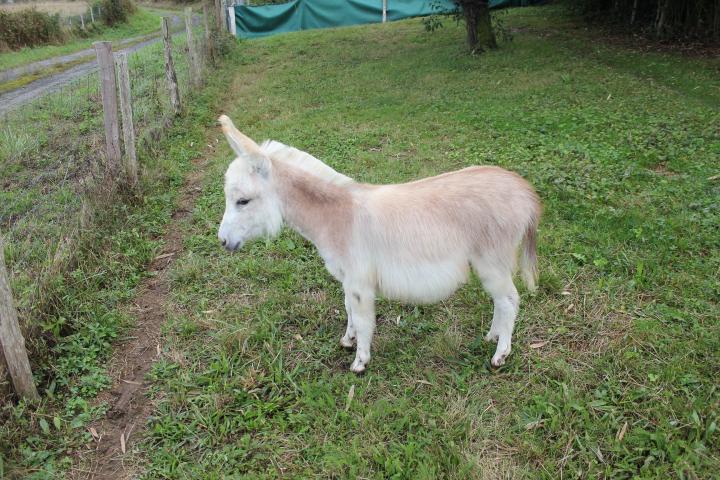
(614, 364)
(29, 28)
(83, 307)
(666, 19)
(140, 23)
(116, 11)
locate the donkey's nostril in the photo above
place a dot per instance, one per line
(224, 242)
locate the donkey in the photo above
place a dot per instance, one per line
(413, 242)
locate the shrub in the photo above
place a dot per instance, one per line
(116, 11)
(29, 28)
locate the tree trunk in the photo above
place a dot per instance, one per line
(661, 16)
(480, 33)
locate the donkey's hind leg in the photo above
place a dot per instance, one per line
(497, 281)
(348, 340)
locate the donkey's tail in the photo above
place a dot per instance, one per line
(528, 256)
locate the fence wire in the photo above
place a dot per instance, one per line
(52, 151)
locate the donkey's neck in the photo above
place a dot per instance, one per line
(318, 209)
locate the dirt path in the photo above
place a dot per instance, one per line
(17, 72)
(115, 435)
(15, 98)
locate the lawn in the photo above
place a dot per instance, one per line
(142, 22)
(615, 360)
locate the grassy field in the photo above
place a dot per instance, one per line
(64, 9)
(615, 359)
(76, 249)
(614, 370)
(142, 22)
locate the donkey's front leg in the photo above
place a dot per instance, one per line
(348, 340)
(362, 306)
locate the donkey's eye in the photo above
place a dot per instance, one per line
(242, 202)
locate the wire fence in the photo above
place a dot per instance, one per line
(92, 15)
(54, 156)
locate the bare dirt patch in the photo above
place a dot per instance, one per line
(108, 456)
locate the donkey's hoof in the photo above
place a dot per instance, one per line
(347, 342)
(498, 359)
(357, 366)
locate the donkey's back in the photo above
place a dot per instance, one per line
(421, 237)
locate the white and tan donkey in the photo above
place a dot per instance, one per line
(413, 242)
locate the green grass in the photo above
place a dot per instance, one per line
(615, 360)
(141, 23)
(77, 250)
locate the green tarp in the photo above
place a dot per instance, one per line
(308, 14)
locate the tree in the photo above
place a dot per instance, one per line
(480, 33)
(475, 14)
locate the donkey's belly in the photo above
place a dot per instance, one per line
(427, 282)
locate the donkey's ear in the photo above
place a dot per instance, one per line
(243, 146)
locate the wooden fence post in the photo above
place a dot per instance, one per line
(209, 49)
(103, 51)
(170, 67)
(223, 16)
(82, 21)
(218, 16)
(192, 49)
(12, 343)
(131, 166)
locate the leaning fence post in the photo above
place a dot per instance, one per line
(192, 49)
(82, 21)
(170, 67)
(12, 343)
(131, 166)
(109, 100)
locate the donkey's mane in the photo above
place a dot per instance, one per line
(297, 158)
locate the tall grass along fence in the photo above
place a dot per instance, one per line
(66, 155)
(30, 27)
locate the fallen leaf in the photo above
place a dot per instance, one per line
(598, 454)
(131, 382)
(297, 336)
(621, 432)
(158, 349)
(538, 344)
(424, 382)
(570, 307)
(714, 177)
(565, 292)
(164, 255)
(534, 425)
(122, 442)
(94, 433)
(351, 395)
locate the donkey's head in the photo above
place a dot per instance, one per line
(252, 208)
